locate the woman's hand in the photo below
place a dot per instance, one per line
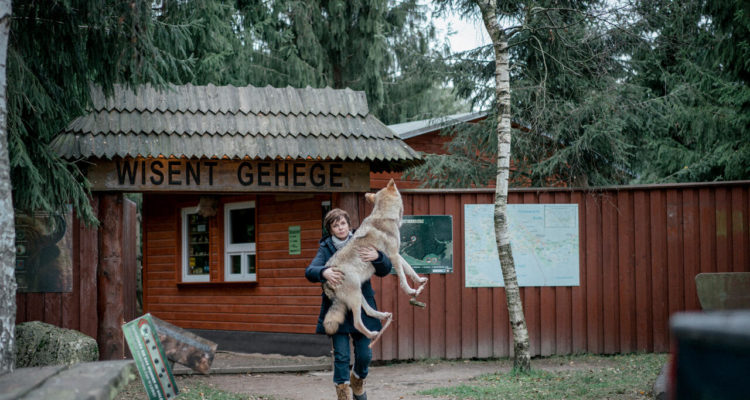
(368, 254)
(333, 276)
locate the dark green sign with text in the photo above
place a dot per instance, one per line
(427, 243)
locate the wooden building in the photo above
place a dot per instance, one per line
(235, 182)
(235, 185)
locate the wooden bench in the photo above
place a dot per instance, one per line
(92, 380)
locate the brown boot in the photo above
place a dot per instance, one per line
(342, 392)
(358, 387)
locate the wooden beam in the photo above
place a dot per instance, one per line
(110, 307)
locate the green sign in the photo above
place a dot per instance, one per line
(427, 243)
(295, 243)
(155, 372)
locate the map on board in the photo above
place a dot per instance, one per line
(543, 238)
(427, 243)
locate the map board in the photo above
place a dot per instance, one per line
(544, 241)
(427, 243)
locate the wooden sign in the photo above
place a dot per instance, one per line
(149, 357)
(161, 174)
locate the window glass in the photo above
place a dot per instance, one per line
(239, 243)
(195, 239)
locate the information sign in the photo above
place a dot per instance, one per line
(427, 243)
(148, 353)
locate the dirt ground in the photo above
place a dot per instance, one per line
(386, 382)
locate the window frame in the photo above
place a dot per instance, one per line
(186, 277)
(239, 249)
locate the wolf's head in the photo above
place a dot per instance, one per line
(387, 202)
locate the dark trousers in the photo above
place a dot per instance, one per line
(341, 358)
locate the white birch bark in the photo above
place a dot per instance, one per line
(7, 225)
(521, 356)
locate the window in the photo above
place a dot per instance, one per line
(195, 250)
(239, 241)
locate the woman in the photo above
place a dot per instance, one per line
(338, 224)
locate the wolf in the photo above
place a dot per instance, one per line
(380, 230)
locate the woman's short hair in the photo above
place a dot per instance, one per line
(333, 216)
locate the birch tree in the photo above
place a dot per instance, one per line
(7, 226)
(521, 356)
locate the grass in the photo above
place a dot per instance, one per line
(189, 390)
(567, 377)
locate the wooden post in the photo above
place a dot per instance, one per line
(110, 307)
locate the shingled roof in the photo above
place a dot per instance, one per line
(236, 123)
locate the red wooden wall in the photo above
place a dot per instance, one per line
(640, 249)
(78, 309)
(282, 300)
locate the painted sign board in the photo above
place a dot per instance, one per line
(209, 175)
(543, 239)
(148, 353)
(427, 243)
(295, 242)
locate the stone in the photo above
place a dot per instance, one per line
(40, 344)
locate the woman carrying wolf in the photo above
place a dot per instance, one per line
(338, 225)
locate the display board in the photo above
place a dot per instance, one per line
(543, 238)
(148, 353)
(427, 243)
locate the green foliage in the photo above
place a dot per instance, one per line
(100, 42)
(384, 48)
(652, 91)
(696, 107)
(579, 377)
(564, 98)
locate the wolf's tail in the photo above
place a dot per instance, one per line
(334, 317)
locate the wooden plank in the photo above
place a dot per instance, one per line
(739, 236)
(437, 289)
(595, 342)
(691, 247)
(468, 316)
(71, 300)
(675, 263)
(643, 315)
(707, 230)
(454, 281)
(723, 230)
(484, 322)
(659, 267)
(109, 278)
(405, 324)
(35, 307)
(53, 308)
(532, 302)
(88, 264)
(578, 295)
(421, 333)
(547, 327)
(610, 275)
(627, 275)
(20, 308)
(562, 307)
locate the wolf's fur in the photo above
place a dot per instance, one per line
(379, 230)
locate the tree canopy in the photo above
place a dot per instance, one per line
(387, 49)
(646, 91)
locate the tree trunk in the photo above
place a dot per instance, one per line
(7, 225)
(521, 360)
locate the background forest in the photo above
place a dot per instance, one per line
(603, 92)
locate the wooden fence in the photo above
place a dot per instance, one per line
(640, 249)
(85, 307)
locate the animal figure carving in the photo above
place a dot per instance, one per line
(379, 230)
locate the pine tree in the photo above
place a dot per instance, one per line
(568, 110)
(692, 67)
(96, 42)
